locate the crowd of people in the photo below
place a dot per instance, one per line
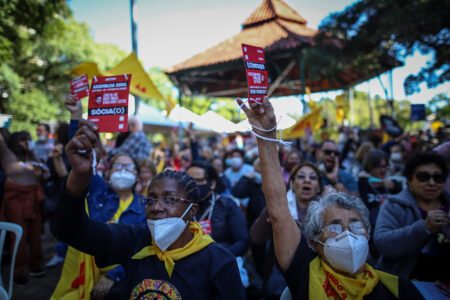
(229, 218)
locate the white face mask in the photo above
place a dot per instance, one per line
(166, 231)
(396, 157)
(346, 252)
(236, 162)
(122, 180)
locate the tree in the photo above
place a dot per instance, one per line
(440, 105)
(40, 43)
(373, 30)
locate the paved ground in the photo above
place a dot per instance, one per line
(40, 288)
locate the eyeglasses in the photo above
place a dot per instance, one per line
(166, 201)
(119, 167)
(329, 152)
(425, 177)
(311, 177)
(355, 227)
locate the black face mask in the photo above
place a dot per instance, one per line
(203, 191)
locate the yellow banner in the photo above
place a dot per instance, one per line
(141, 83)
(310, 121)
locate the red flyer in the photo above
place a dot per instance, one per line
(255, 69)
(79, 87)
(108, 102)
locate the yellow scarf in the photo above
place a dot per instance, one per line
(198, 242)
(325, 283)
(123, 206)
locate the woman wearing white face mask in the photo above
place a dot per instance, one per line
(336, 227)
(170, 257)
(111, 201)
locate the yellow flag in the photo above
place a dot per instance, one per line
(310, 121)
(88, 68)
(141, 83)
(78, 278)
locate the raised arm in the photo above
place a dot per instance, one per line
(286, 234)
(9, 161)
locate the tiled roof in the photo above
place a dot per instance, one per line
(273, 25)
(271, 9)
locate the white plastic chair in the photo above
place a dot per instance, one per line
(17, 230)
(286, 295)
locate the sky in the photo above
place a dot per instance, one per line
(170, 31)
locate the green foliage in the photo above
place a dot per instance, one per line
(374, 31)
(199, 105)
(30, 108)
(40, 43)
(440, 105)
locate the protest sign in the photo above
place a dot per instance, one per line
(79, 87)
(108, 102)
(255, 69)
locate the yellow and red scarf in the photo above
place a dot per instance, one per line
(325, 283)
(198, 242)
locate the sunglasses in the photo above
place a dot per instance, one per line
(425, 177)
(329, 152)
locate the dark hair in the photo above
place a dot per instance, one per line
(210, 172)
(46, 126)
(122, 153)
(235, 150)
(184, 182)
(62, 133)
(14, 143)
(373, 158)
(424, 158)
(326, 141)
(312, 166)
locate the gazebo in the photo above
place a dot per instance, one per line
(284, 34)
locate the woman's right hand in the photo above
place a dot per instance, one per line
(260, 115)
(436, 219)
(80, 147)
(74, 107)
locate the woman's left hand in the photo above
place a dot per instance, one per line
(102, 288)
(436, 219)
(260, 115)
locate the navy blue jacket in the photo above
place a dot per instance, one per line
(210, 273)
(229, 228)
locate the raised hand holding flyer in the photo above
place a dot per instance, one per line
(79, 87)
(255, 69)
(108, 102)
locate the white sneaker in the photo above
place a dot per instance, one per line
(54, 261)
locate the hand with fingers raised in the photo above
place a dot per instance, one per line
(79, 149)
(260, 116)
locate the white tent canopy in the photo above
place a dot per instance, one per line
(217, 123)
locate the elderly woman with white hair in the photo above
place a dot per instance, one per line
(327, 260)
